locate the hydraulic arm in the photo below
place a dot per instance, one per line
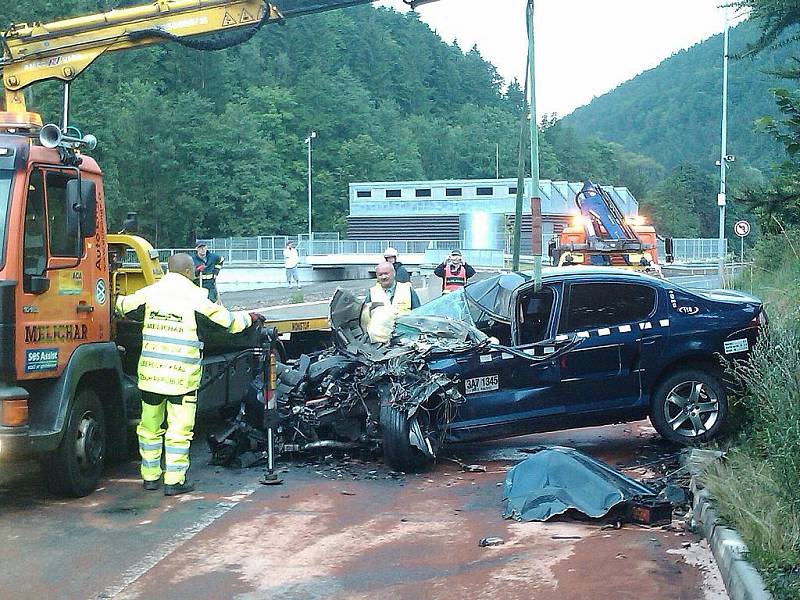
(64, 49)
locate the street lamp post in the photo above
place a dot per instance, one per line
(310, 137)
(724, 158)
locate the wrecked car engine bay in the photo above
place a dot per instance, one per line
(357, 394)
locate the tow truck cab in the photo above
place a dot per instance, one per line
(67, 369)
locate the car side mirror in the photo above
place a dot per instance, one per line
(82, 199)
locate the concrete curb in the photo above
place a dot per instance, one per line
(741, 579)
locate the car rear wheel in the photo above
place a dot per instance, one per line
(398, 451)
(689, 407)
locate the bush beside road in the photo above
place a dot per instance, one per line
(758, 486)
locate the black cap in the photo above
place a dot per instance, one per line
(455, 253)
(200, 243)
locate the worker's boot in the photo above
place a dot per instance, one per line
(178, 488)
(151, 484)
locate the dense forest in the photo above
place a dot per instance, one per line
(672, 113)
(211, 143)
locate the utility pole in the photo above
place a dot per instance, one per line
(310, 137)
(536, 201)
(497, 161)
(723, 160)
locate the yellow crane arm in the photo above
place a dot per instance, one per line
(64, 49)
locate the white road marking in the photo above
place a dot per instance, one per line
(135, 572)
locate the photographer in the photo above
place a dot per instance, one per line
(454, 272)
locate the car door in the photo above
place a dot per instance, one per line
(604, 371)
(508, 387)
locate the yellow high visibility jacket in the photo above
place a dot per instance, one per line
(401, 301)
(170, 362)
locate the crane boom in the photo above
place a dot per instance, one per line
(64, 49)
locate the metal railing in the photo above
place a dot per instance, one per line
(694, 250)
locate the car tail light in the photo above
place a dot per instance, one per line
(15, 412)
(761, 318)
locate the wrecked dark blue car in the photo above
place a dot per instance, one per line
(593, 346)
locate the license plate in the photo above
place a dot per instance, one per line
(734, 346)
(482, 384)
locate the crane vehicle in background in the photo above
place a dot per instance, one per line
(67, 368)
(600, 234)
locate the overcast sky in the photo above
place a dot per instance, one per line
(584, 48)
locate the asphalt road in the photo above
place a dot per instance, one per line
(341, 528)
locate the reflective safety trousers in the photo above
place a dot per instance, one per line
(170, 363)
(174, 440)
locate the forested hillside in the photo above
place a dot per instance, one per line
(672, 113)
(211, 143)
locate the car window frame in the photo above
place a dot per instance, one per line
(567, 297)
(555, 310)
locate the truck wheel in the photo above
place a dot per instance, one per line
(398, 451)
(689, 407)
(74, 468)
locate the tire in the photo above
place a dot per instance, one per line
(689, 407)
(398, 451)
(74, 468)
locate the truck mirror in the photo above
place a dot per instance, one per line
(82, 199)
(37, 284)
(668, 247)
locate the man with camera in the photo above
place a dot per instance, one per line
(454, 272)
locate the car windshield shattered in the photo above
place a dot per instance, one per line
(479, 303)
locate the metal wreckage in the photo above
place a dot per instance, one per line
(357, 394)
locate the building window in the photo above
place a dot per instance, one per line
(393, 193)
(512, 191)
(485, 191)
(364, 194)
(452, 192)
(423, 193)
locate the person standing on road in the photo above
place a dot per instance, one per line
(170, 367)
(454, 272)
(290, 261)
(385, 301)
(401, 274)
(207, 266)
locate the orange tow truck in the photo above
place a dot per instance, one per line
(599, 234)
(67, 368)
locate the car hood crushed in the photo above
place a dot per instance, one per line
(344, 396)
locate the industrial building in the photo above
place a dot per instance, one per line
(478, 212)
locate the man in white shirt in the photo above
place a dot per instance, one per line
(290, 260)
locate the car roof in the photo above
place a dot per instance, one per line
(610, 273)
(493, 294)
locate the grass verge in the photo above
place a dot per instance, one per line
(758, 486)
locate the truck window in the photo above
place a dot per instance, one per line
(594, 305)
(33, 254)
(62, 243)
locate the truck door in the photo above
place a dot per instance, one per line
(58, 291)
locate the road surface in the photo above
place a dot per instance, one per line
(341, 528)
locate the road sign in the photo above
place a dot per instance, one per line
(741, 228)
